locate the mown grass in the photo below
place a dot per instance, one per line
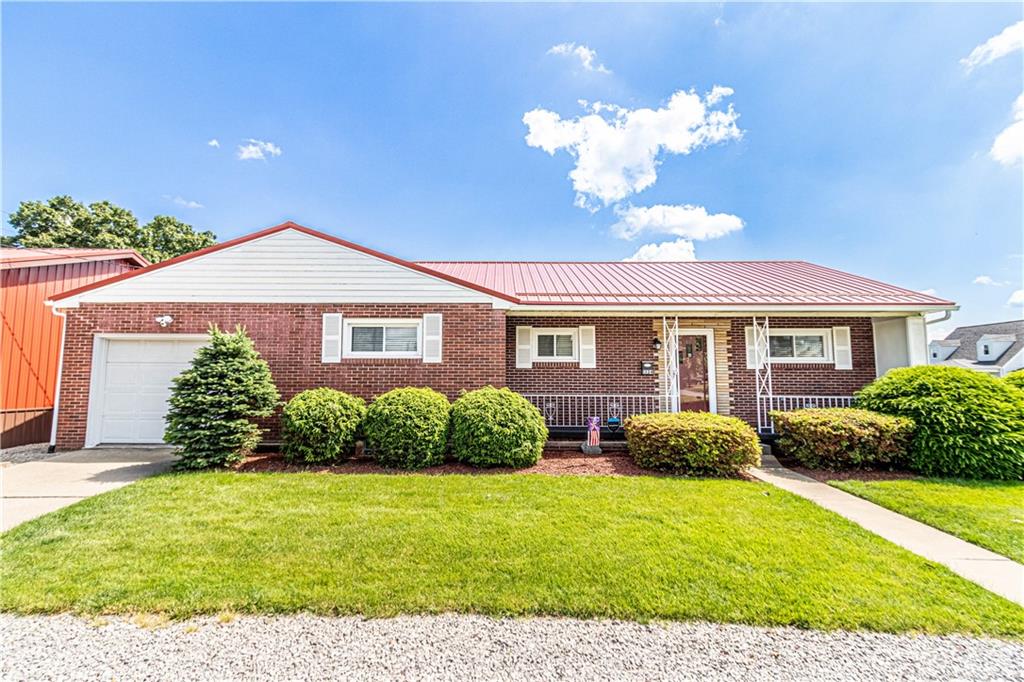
(634, 548)
(988, 513)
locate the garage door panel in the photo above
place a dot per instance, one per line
(137, 380)
(151, 430)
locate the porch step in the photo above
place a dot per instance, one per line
(608, 446)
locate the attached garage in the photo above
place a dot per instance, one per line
(131, 382)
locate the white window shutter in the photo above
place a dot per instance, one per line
(524, 347)
(842, 350)
(588, 347)
(751, 351)
(330, 338)
(432, 337)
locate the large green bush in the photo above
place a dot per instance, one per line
(320, 425)
(214, 402)
(497, 427)
(843, 437)
(969, 424)
(407, 428)
(1015, 379)
(698, 443)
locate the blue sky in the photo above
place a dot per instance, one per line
(857, 137)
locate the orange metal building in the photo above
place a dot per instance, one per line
(30, 339)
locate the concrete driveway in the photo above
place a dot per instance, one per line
(36, 488)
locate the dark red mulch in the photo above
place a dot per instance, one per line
(825, 475)
(557, 463)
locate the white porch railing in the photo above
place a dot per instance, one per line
(787, 403)
(571, 411)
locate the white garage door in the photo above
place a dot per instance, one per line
(132, 384)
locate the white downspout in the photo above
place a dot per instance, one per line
(60, 370)
(945, 316)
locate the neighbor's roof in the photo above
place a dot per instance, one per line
(11, 258)
(681, 283)
(966, 355)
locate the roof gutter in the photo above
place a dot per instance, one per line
(945, 316)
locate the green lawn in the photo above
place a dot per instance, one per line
(988, 513)
(636, 548)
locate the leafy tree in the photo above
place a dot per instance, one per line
(64, 222)
(214, 402)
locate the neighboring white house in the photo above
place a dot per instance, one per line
(996, 348)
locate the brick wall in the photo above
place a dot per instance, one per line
(288, 337)
(800, 379)
(622, 343)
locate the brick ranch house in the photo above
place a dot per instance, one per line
(578, 339)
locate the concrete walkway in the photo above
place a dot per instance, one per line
(992, 571)
(36, 488)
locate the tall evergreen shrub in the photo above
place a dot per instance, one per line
(214, 403)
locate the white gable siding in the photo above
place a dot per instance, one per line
(286, 267)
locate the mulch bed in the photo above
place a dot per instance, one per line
(556, 463)
(825, 475)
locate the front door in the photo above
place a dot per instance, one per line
(693, 374)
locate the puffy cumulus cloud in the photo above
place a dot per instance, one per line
(586, 56)
(1009, 41)
(213, 143)
(1016, 298)
(680, 249)
(1008, 147)
(257, 149)
(987, 281)
(617, 150)
(691, 222)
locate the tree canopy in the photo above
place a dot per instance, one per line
(64, 222)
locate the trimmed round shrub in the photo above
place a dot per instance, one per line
(843, 437)
(969, 424)
(494, 427)
(407, 428)
(320, 425)
(1015, 379)
(697, 443)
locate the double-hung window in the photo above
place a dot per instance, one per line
(383, 338)
(555, 345)
(800, 345)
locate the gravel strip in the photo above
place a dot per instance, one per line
(453, 647)
(25, 453)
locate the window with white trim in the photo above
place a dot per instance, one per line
(799, 345)
(383, 338)
(555, 345)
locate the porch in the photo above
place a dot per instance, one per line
(567, 413)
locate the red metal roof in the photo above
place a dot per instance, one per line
(681, 283)
(30, 258)
(703, 283)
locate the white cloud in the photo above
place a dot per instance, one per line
(928, 292)
(1016, 298)
(214, 143)
(1007, 42)
(987, 281)
(257, 149)
(691, 222)
(617, 150)
(680, 249)
(586, 56)
(1008, 147)
(183, 202)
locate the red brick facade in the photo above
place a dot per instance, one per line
(800, 379)
(288, 337)
(479, 349)
(622, 344)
